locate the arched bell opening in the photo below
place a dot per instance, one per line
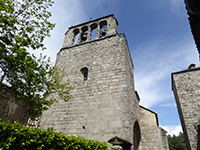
(84, 72)
(76, 36)
(84, 34)
(93, 30)
(136, 135)
(103, 27)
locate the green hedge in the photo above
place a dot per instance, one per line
(15, 136)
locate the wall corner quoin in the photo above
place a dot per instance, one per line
(69, 39)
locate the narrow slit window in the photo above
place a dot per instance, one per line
(84, 72)
(85, 78)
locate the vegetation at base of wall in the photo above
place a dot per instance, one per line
(177, 142)
(24, 25)
(15, 136)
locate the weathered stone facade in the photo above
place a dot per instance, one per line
(186, 88)
(105, 104)
(9, 108)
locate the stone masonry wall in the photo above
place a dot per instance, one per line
(10, 109)
(107, 106)
(164, 140)
(186, 88)
(152, 136)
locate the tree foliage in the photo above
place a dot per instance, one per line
(23, 25)
(177, 142)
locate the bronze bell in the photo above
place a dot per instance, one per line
(84, 37)
(103, 32)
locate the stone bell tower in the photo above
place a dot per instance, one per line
(99, 66)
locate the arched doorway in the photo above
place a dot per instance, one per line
(136, 135)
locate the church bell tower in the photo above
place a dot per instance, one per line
(96, 60)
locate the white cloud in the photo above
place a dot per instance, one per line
(173, 130)
(155, 61)
(176, 6)
(149, 88)
(64, 14)
(171, 105)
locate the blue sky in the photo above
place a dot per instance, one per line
(159, 39)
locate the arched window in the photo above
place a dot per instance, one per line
(93, 30)
(103, 27)
(84, 34)
(136, 135)
(84, 72)
(76, 35)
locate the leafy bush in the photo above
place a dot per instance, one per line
(15, 136)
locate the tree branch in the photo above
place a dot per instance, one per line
(24, 10)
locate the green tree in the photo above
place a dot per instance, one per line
(177, 142)
(23, 25)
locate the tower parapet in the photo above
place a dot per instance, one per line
(106, 26)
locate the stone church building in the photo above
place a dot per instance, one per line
(96, 59)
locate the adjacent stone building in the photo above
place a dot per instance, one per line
(186, 88)
(186, 85)
(10, 109)
(105, 105)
